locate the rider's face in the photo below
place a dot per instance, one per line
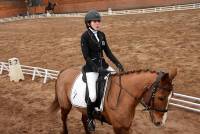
(95, 24)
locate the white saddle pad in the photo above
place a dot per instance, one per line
(78, 93)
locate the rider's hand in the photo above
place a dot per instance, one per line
(120, 67)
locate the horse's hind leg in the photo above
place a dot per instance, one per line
(64, 114)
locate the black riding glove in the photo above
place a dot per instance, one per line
(120, 67)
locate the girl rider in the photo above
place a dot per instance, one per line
(93, 43)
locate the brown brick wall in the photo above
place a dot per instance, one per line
(15, 7)
(11, 7)
(37, 9)
(64, 6)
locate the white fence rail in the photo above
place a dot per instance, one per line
(34, 71)
(186, 102)
(110, 12)
(179, 100)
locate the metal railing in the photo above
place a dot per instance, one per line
(109, 12)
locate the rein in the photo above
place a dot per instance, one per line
(120, 89)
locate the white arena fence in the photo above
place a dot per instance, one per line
(109, 12)
(34, 71)
(186, 102)
(178, 100)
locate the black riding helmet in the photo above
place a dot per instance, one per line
(92, 15)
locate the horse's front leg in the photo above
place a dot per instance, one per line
(122, 125)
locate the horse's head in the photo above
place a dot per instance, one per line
(157, 97)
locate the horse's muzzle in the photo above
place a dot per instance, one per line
(158, 124)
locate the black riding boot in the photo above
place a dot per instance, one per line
(90, 112)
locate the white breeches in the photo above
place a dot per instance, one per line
(91, 81)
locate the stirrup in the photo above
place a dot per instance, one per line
(90, 125)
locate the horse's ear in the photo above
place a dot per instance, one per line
(173, 73)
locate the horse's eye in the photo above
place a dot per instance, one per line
(161, 98)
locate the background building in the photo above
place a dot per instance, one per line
(20, 7)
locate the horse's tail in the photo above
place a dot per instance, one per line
(54, 107)
(61, 98)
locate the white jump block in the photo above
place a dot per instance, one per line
(109, 11)
(15, 71)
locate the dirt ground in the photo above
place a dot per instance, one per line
(157, 41)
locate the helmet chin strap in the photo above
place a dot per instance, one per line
(92, 28)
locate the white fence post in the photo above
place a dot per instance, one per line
(45, 76)
(194, 6)
(109, 11)
(34, 72)
(1, 69)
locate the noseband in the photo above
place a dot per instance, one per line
(153, 89)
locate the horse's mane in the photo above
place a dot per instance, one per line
(133, 71)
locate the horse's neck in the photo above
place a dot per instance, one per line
(135, 83)
(131, 91)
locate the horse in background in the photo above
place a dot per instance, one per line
(50, 7)
(128, 89)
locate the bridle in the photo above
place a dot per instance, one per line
(149, 106)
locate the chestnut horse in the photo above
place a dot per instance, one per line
(152, 89)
